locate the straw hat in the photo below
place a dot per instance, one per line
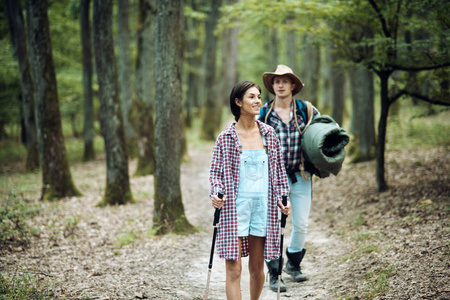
(282, 70)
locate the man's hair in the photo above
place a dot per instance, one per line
(238, 92)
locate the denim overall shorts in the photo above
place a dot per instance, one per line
(252, 197)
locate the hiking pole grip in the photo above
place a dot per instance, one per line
(217, 211)
(283, 216)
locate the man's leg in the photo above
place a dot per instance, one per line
(300, 196)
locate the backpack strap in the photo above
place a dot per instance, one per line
(309, 113)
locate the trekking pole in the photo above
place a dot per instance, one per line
(280, 265)
(216, 220)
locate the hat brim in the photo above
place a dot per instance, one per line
(268, 79)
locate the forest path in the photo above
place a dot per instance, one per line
(318, 262)
(361, 244)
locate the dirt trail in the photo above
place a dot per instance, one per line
(316, 264)
(361, 244)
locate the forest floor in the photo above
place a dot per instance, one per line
(361, 244)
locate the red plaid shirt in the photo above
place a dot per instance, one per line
(288, 134)
(224, 176)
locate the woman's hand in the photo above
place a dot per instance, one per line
(217, 202)
(285, 209)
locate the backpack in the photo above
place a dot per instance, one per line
(303, 108)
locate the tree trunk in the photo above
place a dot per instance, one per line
(56, 177)
(194, 62)
(224, 66)
(86, 44)
(382, 125)
(117, 179)
(311, 75)
(145, 107)
(126, 92)
(291, 50)
(232, 67)
(362, 119)
(18, 36)
(327, 90)
(168, 212)
(212, 114)
(337, 78)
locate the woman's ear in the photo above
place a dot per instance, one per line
(238, 103)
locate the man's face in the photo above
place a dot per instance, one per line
(283, 86)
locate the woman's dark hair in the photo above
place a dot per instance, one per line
(238, 92)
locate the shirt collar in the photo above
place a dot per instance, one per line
(231, 129)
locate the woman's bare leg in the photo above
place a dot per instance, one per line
(233, 281)
(256, 265)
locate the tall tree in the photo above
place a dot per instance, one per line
(56, 177)
(126, 93)
(86, 45)
(311, 69)
(145, 102)
(117, 178)
(337, 85)
(193, 70)
(212, 113)
(168, 212)
(362, 119)
(18, 38)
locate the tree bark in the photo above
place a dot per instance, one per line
(382, 125)
(56, 177)
(168, 215)
(117, 179)
(145, 103)
(232, 67)
(126, 94)
(212, 113)
(362, 118)
(337, 85)
(193, 70)
(311, 65)
(18, 36)
(86, 44)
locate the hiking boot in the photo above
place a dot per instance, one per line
(273, 265)
(293, 265)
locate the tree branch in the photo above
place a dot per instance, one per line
(418, 69)
(418, 96)
(381, 17)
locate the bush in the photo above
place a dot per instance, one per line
(14, 225)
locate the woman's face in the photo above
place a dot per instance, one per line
(282, 86)
(251, 102)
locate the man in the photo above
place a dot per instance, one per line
(288, 117)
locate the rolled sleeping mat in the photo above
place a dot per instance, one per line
(323, 145)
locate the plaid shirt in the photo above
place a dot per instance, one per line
(224, 175)
(288, 134)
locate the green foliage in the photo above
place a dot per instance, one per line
(14, 215)
(419, 126)
(70, 226)
(377, 282)
(126, 238)
(11, 151)
(9, 86)
(23, 287)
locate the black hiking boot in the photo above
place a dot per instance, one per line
(293, 265)
(273, 265)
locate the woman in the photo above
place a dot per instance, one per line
(247, 165)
